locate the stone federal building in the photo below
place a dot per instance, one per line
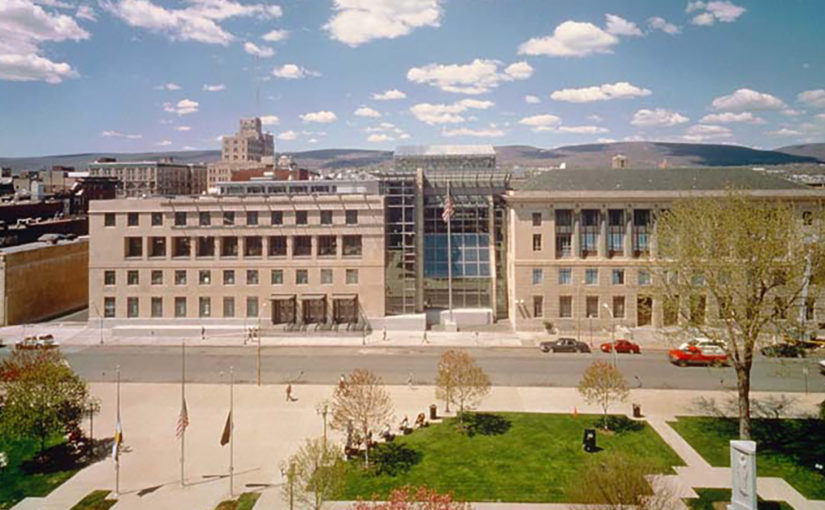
(564, 246)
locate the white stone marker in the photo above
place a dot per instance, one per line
(743, 471)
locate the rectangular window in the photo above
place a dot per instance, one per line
(182, 247)
(109, 220)
(300, 217)
(180, 219)
(252, 277)
(565, 307)
(536, 242)
(228, 277)
(134, 246)
(132, 307)
(538, 276)
(326, 217)
(591, 276)
(157, 277)
(301, 277)
(157, 307)
(205, 246)
(228, 218)
(277, 246)
(352, 246)
(352, 217)
(251, 217)
(132, 219)
(327, 246)
(132, 278)
(352, 276)
(204, 307)
(277, 277)
(204, 277)
(109, 278)
(536, 219)
(326, 276)
(302, 246)
(228, 307)
(617, 277)
(180, 277)
(565, 275)
(157, 246)
(157, 219)
(592, 307)
(615, 232)
(108, 307)
(251, 307)
(204, 218)
(538, 306)
(277, 217)
(253, 246)
(644, 277)
(180, 307)
(590, 219)
(229, 246)
(618, 307)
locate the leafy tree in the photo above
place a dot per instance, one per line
(622, 482)
(43, 395)
(460, 381)
(738, 270)
(603, 384)
(361, 402)
(314, 473)
(411, 498)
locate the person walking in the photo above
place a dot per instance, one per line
(203, 333)
(289, 393)
(410, 381)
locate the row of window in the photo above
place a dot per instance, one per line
(325, 277)
(180, 308)
(589, 239)
(591, 308)
(228, 218)
(591, 276)
(592, 217)
(253, 246)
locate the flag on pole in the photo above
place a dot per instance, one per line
(449, 208)
(227, 429)
(183, 420)
(118, 440)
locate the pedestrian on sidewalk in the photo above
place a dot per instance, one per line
(289, 397)
(384, 334)
(410, 381)
(425, 339)
(203, 333)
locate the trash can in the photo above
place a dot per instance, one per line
(589, 440)
(433, 412)
(637, 411)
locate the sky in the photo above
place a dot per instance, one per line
(158, 75)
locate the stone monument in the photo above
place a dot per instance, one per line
(743, 472)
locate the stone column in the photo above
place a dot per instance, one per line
(419, 241)
(602, 246)
(628, 234)
(491, 218)
(577, 213)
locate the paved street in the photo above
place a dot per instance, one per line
(506, 366)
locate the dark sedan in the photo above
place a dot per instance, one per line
(564, 345)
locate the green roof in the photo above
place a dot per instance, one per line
(655, 179)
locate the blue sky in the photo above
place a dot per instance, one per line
(153, 75)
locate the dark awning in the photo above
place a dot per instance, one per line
(282, 297)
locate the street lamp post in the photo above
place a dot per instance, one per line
(612, 334)
(258, 348)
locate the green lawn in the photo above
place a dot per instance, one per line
(784, 448)
(25, 477)
(531, 458)
(707, 497)
(95, 500)
(245, 502)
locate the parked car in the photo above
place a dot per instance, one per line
(564, 345)
(692, 355)
(703, 342)
(783, 350)
(622, 347)
(33, 342)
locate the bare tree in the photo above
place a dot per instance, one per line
(737, 270)
(363, 403)
(314, 473)
(411, 498)
(460, 381)
(603, 384)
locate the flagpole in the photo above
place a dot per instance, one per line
(449, 256)
(117, 446)
(231, 431)
(182, 403)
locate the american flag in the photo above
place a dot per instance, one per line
(183, 420)
(449, 209)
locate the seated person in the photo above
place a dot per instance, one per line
(421, 420)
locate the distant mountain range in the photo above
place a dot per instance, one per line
(639, 154)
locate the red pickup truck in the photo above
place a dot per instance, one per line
(692, 355)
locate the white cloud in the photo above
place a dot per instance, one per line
(287, 135)
(747, 100)
(24, 28)
(168, 86)
(711, 12)
(293, 72)
(447, 113)
(657, 117)
(199, 21)
(606, 140)
(620, 26)
(356, 22)
(703, 132)
(118, 134)
(539, 123)
(322, 117)
(582, 130)
(731, 118)
(258, 51)
(164, 143)
(379, 138)
(532, 99)
(366, 111)
(606, 92)
(182, 107)
(270, 120)
(478, 77)
(389, 95)
(595, 118)
(275, 35)
(813, 98)
(490, 132)
(785, 132)
(790, 112)
(659, 23)
(571, 39)
(86, 12)
(214, 88)
(183, 128)
(703, 20)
